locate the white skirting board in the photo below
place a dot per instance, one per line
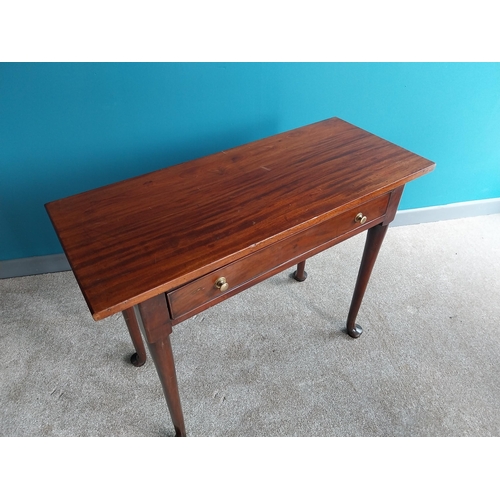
(58, 262)
(447, 212)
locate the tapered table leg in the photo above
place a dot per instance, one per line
(139, 357)
(154, 321)
(300, 274)
(374, 239)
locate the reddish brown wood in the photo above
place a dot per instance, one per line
(244, 214)
(272, 271)
(139, 357)
(374, 238)
(300, 274)
(393, 205)
(150, 234)
(153, 317)
(273, 257)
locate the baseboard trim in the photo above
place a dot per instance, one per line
(57, 262)
(16, 268)
(447, 212)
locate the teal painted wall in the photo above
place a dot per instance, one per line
(66, 128)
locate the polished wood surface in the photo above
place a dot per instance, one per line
(130, 241)
(139, 356)
(374, 239)
(272, 258)
(166, 245)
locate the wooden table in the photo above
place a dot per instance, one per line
(166, 245)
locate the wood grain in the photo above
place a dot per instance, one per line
(132, 240)
(312, 240)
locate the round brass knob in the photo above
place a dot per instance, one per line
(360, 218)
(222, 284)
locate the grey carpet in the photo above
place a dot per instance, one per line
(274, 361)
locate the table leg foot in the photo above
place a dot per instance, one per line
(355, 331)
(136, 360)
(300, 273)
(139, 357)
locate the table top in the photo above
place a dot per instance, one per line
(134, 239)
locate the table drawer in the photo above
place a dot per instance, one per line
(204, 290)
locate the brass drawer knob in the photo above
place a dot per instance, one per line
(360, 218)
(222, 284)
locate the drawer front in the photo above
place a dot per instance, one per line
(204, 289)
